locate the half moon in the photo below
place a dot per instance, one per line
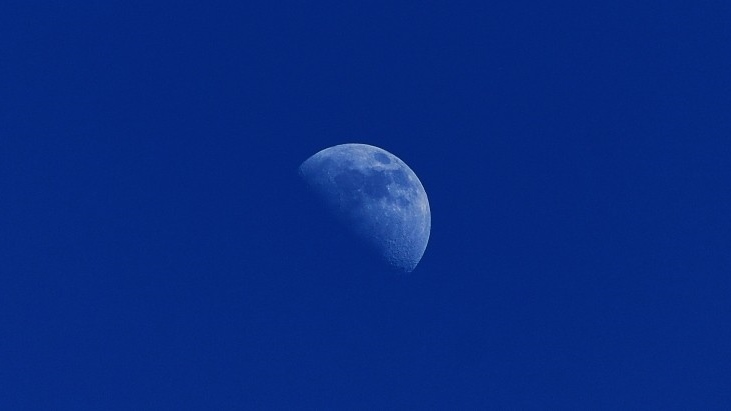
(376, 196)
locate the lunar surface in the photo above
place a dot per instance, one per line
(376, 196)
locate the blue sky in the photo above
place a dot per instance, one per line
(157, 251)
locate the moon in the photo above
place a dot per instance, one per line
(376, 196)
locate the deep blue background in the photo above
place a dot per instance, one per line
(156, 250)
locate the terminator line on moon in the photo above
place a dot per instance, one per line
(376, 196)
